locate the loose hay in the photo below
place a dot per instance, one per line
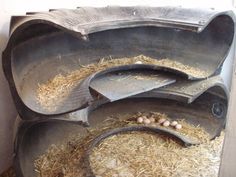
(133, 154)
(52, 93)
(142, 154)
(196, 133)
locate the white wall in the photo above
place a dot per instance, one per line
(14, 7)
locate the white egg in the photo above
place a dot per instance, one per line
(178, 126)
(152, 119)
(146, 121)
(174, 123)
(144, 117)
(140, 120)
(166, 123)
(138, 62)
(161, 121)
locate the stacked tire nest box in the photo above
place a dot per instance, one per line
(45, 45)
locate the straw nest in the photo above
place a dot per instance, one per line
(52, 93)
(133, 154)
(142, 154)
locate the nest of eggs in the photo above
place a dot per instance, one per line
(135, 153)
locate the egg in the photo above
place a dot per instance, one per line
(166, 123)
(138, 62)
(146, 121)
(140, 120)
(144, 117)
(178, 126)
(161, 121)
(152, 119)
(174, 123)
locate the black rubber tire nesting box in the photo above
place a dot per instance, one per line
(45, 44)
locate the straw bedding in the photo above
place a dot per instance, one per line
(130, 154)
(141, 154)
(52, 93)
(133, 154)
